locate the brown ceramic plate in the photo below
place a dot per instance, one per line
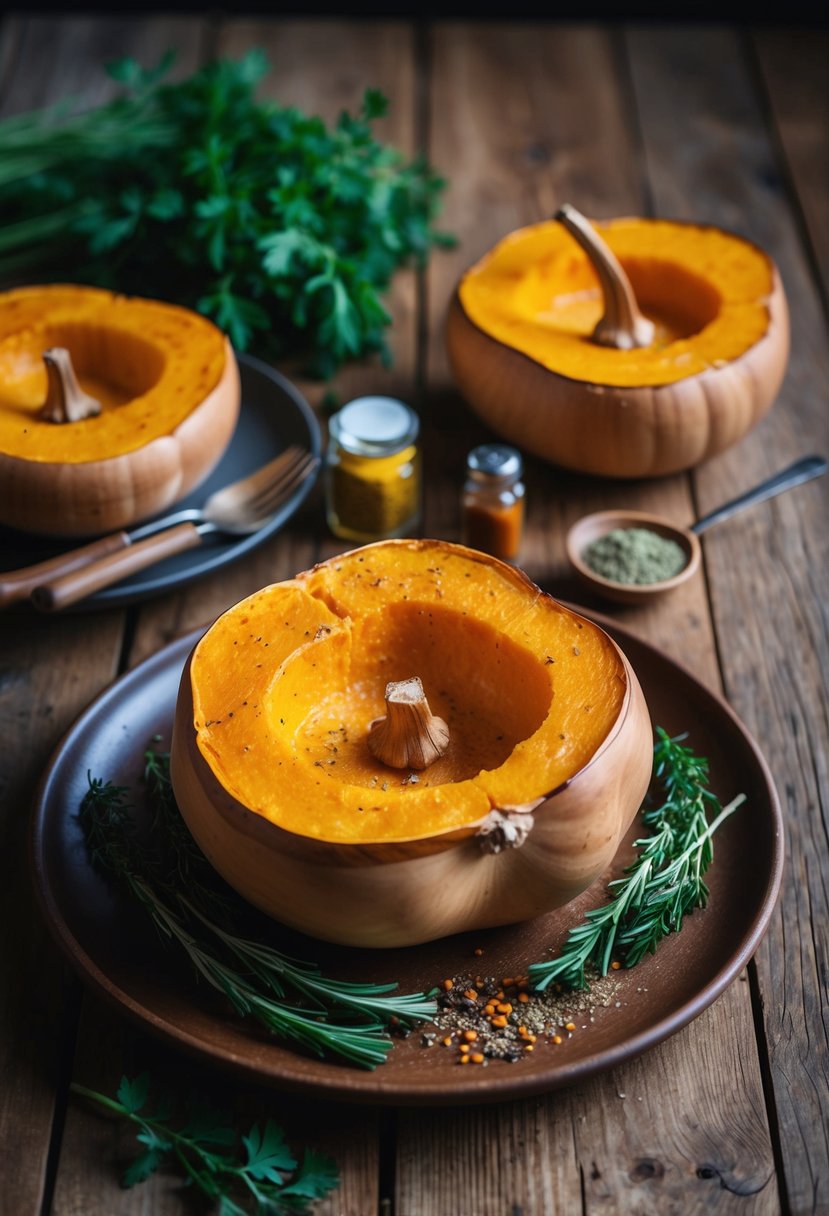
(114, 948)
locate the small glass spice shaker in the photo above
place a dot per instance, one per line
(492, 505)
(373, 470)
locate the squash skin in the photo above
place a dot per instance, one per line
(402, 892)
(612, 431)
(75, 500)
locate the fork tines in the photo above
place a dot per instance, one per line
(280, 478)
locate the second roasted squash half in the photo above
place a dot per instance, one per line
(408, 741)
(111, 407)
(632, 348)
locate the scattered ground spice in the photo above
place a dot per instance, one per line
(505, 1020)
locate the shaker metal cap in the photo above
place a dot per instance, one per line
(496, 461)
(375, 426)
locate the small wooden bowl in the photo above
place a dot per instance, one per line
(592, 527)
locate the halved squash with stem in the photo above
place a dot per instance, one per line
(408, 741)
(111, 407)
(630, 348)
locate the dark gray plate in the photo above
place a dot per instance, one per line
(112, 945)
(273, 416)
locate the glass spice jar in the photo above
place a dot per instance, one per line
(492, 505)
(373, 470)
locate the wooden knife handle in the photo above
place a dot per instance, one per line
(17, 585)
(59, 593)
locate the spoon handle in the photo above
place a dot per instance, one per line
(802, 470)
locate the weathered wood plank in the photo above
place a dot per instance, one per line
(709, 157)
(55, 668)
(48, 672)
(322, 67)
(793, 66)
(524, 118)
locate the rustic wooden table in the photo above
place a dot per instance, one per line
(718, 124)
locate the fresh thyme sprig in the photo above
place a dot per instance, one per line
(262, 1170)
(171, 879)
(662, 886)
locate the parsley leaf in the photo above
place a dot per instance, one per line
(259, 1169)
(283, 230)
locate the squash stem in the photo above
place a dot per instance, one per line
(623, 324)
(66, 401)
(410, 735)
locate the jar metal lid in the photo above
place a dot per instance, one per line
(374, 426)
(495, 461)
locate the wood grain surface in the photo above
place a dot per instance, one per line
(711, 123)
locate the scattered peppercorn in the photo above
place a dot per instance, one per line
(506, 1021)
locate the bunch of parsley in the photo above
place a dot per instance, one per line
(286, 232)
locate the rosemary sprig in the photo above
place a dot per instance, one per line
(173, 882)
(662, 886)
(261, 1170)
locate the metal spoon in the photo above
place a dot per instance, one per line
(591, 527)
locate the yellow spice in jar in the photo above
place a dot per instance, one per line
(373, 482)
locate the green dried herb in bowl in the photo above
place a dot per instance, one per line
(636, 556)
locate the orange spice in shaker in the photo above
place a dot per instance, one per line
(492, 506)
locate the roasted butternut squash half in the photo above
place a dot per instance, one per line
(111, 407)
(631, 348)
(407, 741)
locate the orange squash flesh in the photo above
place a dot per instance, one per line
(148, 363)
(706, 290)
(286, 683)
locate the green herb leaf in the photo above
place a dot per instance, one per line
(133, 1094)
(193, 910)
(284, 231)
(661, 887)
(317, 1176)
(140, 1169)
(261, 1171)
(268, 1155)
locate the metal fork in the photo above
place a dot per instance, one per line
(240, 508)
